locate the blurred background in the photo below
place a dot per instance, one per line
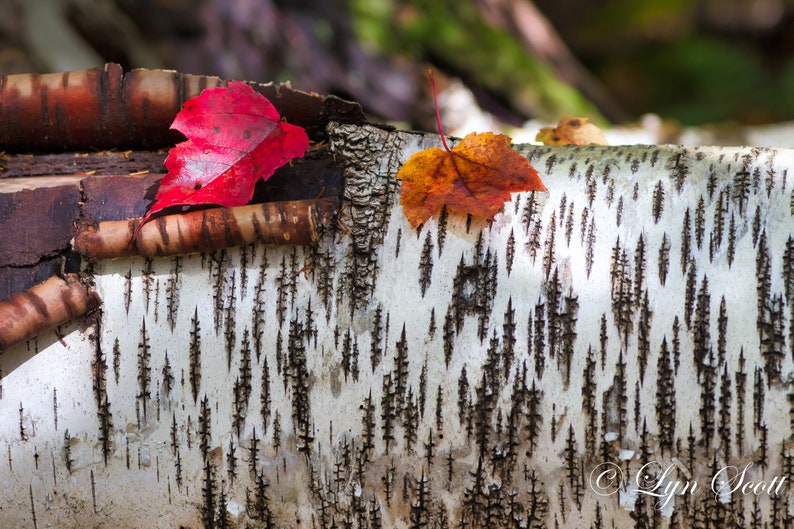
(691, 62)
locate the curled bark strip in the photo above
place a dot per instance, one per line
(44, 306)
(105, 108)
(289, 222)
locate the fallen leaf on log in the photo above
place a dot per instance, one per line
(475, 177)
(235, 138)
(572, 131)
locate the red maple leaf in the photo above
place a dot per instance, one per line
(235, 137)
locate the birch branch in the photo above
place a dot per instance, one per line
(44, 306)
(290, 222)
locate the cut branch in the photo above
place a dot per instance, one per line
(290, 222)
(44, 306)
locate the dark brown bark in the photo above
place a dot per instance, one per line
(86, 163)
(37, 223)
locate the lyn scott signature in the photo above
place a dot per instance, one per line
(658, 481)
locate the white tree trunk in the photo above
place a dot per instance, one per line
(466, 374)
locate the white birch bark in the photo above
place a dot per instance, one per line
(466, 374)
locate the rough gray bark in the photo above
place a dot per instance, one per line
(465, 374)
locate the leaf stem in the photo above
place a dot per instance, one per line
(438, 115)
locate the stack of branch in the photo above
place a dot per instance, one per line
(82, 157)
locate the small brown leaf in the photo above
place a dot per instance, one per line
(572, 131)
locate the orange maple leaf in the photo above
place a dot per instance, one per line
(476, 176)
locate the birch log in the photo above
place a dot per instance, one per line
(616, 352)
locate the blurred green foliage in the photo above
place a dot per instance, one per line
(453, 35)
(699, 79)
(697, 61)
